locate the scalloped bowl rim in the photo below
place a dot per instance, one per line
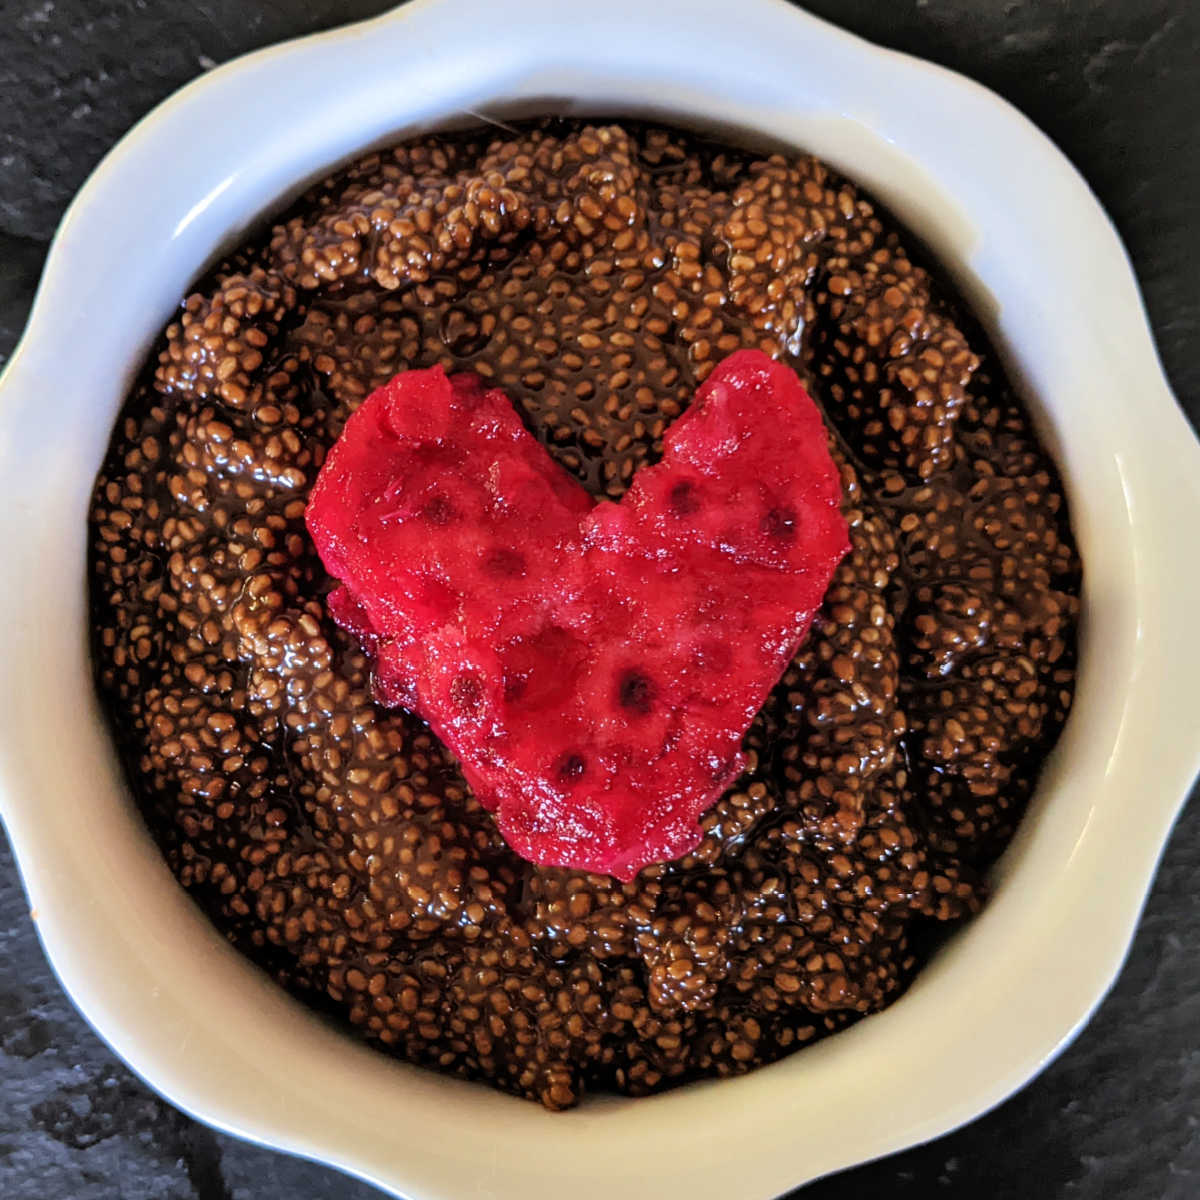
(1044, 268)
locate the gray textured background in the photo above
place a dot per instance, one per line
(1115, 83)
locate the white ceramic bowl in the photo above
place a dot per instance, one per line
(1034, 252)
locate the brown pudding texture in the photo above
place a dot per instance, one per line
(596, 272)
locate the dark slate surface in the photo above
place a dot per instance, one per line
(1114, 82)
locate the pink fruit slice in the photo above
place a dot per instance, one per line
(594, 666)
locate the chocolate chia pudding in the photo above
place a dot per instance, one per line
(597, 273)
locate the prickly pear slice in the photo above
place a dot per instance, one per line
(593, 666)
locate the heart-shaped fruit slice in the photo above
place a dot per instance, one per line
(594, 666)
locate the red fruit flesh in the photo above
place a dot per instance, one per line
(593, 666)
